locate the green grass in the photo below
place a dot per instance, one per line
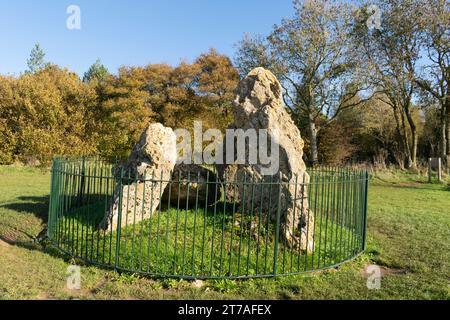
(194, 243)
(408, 236)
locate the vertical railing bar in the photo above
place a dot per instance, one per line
(51, 203)
(316, 195)
(202, 267)
(342, 213)
(71, 216)
(214, 225)
(86, 213)
(106, 193)
(144, 200)
(337, 215)
(304, 193)
(64, 240)
(333, 217)
(161, 176)
(99, 191)
(322, 208)
(119, 218)
(251, 224)
(350, 213)
(295, 203)
(366, 195)
(152, 185)
(127, 209)
(222, 243)
(354, 211)
(111, 195)
(186, 222)
(277, 226)
(176, 225)
(285, 225)
(347, 213)
(300, 221)
(195, 224)
(327, 199)
(169, 203)
(133, 229)
(258, 243)
(270, 187)
(243, 205)
(235, 186)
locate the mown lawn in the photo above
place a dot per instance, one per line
(408, 237)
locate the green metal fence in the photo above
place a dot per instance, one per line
(194, 239)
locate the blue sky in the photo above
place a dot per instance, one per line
(129, 32)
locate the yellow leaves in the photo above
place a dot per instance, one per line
(45, 113)
(53, 112)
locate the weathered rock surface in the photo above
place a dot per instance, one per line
(259, 105)
(191, 182)
(145, 176)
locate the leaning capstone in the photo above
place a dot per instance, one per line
(142, 179)
(261, 190)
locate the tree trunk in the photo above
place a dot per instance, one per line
(404, 136)
(400, 138)
(443, 140)
(312, 131)
(414, 137)
(447, 128)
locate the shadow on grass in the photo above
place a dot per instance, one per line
(415, 186)
(37, 206)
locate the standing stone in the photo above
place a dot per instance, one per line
(145, 175)
(259, 105)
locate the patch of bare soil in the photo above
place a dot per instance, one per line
(384, 271)
(4, 244)
(408, 184)
(42, 296)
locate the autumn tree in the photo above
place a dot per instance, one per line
(217, 80)
(43, 114)
(313, 56)
(123, 111)
(434, 75)
(393, 53)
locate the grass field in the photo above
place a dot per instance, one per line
(408, 237)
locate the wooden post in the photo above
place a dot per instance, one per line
(430, 171)
(439, 170)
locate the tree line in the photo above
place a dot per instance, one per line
(359, 91)
(330, 60)
(51, 111)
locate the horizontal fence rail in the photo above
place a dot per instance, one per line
(195, 231)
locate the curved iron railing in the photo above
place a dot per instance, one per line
(188, 238)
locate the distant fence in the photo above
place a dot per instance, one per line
(194, 239)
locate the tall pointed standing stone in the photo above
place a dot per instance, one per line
(259, 105)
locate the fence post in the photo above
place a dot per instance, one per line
(277, 227)
(83, 181)
(439, 170)
(51, 213)
(430, 172)
(366, 196)
(119, 217)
